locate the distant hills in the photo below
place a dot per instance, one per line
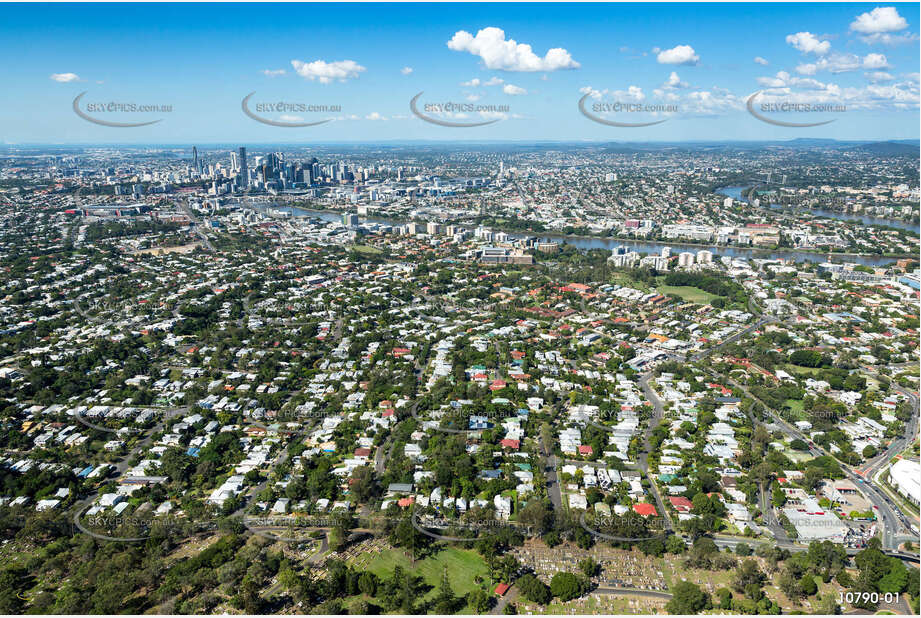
(890, 148)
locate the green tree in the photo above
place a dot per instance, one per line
(478, 600)
(675, 545)
(565, 586)
(445, 602)
(807, 585)
(687, 598)
(533, 589)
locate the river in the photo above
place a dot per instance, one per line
(640, 246)
(736, 194)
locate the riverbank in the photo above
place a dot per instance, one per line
(641, 246)
(738, 192)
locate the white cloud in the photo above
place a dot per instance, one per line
(778, 81)
(711, 103)
(784, 80)
(808, 43)
(674, 81)
(878, 26)
(879, 20)
(325, 72)
(273, 72)
(900, 96)
(681, 54)
(761, 61)
(513, 90)
(65, 77)
(476, 82)
(878, 77)
(374, 116)
(875, 61)
(894, 96)
(406, 70)
(595, 94)
(636, 93)
(473, 97)
(842, 63)
(889, 39)
(290, 118)
(497, 52)
(631, 94)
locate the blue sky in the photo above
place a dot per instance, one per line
(202, 59)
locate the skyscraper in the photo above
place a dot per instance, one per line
(194, 158)
(244, 171)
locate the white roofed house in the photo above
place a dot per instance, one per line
(503, 506)
(737, 512)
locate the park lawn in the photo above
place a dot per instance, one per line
(687, 293)
(796, 407)
(463, 566)
(366, 249)
(797, 370)
(623, 279)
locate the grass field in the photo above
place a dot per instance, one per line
(688, 293)
(366, 249)
(796, 407)
(463, 566)
(622, 278)
(802, 371)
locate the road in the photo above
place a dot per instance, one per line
(122, 465)
(769, 517)
(247, 309)
(380, 458)
(197, 223)
(891, 519)
(891, 527)
(732, 338)
(658, 413)
(899, 443)
(553, 481)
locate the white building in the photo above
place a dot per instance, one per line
(905, 477)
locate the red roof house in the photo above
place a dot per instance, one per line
(681, 504)
(645, 509)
